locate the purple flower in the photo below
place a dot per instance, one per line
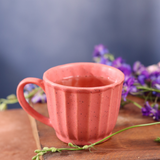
(101, 55)
(127, 86)
(29, 87)
(146, 110)
(126, 69)
(141, 79)
(153, 112)
(154, 75)
(156, 85)
(139, 69)
(133, 90)
(100, 50)
(118, 62)
(121, 65)
(106, 61)
(155, 80)
(39, 97)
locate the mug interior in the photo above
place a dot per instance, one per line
(83, 69)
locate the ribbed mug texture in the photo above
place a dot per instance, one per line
(80, 115)
(83, 115)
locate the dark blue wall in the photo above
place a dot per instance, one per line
(36, 35)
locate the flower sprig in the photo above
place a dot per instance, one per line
(86, 147)
(53, 150)
(139, 81)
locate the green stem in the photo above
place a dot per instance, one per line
(33, 92)
(139, 125)
(123, 103)
(156, 99)
(75, 148)
(148, 89)
(137, 93)
(135, 103)
(12, 101)
(70, 149)
(146, 98)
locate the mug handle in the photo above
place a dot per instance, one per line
(24, 103)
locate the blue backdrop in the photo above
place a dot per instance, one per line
(36, 35)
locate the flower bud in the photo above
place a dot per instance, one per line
(85, 147)
(33, 158)
(53, 149)
(45, 148)
(40, 153)
(70, 144)
(37, 151)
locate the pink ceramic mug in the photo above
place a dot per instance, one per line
(81, 115)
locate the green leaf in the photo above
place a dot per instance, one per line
(11, 97)
(157, 139)
(40, 153)
(3, 106)
(111, 57)
(33, 158)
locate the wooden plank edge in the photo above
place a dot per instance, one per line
(35, 133)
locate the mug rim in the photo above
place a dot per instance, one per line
(63, 87)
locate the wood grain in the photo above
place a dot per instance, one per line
(16, 138)
(137, 143)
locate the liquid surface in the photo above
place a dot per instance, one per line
(87, 81)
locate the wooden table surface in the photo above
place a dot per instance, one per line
(16, 137)
(17, 141)
(137, 143)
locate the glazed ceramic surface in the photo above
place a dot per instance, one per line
(81, 115)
